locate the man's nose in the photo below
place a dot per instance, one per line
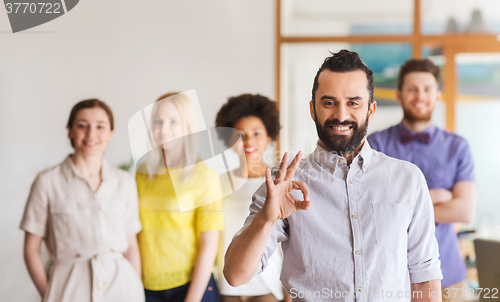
(342, 114)
(421, 95)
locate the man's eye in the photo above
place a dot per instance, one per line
(158, 122)
(81, 126)
(354, 103)
(328, 103)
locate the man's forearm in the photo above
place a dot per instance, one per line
(459, 209)
(429, 291)
(245, 251)
(453, 211)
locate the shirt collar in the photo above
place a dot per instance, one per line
(330, 160)
(70, 170)
(431, 130)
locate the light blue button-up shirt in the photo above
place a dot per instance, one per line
(368, 234)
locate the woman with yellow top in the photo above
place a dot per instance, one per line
(178, 246)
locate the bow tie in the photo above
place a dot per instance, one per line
(408, 137)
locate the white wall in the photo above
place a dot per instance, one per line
(126, 53)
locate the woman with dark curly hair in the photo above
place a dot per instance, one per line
(257, 120)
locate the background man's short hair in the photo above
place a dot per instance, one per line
(418, 65)
(344, 61)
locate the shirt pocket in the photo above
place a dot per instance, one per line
(391, 225)
(62, 213)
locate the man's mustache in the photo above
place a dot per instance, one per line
(337, 122)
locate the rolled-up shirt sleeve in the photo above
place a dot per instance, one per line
(423, 262)
(278, 233)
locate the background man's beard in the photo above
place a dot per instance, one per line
(409, 116)
(341, 144)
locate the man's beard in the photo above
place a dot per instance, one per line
(341, 144)
(413, 118)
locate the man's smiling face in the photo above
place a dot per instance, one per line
(341, 109)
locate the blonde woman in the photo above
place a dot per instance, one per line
(86, 212)
(178, 246)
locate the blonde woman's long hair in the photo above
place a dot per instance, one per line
(188, 120)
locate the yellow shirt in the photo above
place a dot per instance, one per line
(169, 239)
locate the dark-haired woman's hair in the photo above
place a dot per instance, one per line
(245, 105)
(91, 103)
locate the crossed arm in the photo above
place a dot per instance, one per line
(457, 205)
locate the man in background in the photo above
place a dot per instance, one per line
(444, 158)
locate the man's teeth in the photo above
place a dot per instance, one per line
(341, 128)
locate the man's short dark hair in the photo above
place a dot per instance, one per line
(417, 65)
(245, 105)
(344, 61)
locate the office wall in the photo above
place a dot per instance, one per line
(127, 53)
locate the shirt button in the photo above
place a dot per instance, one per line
(364, 167)
(359, 289)
(331, 170)
(341, 160)
(358, 252)
(354, 216)
(350, 181)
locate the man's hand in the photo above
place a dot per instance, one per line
(244, 254)
(280, 203)
(440, 195)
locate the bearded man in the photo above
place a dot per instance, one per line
(367, 229)
(443, 157)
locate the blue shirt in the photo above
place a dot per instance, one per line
(445, 160)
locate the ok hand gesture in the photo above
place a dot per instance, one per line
(280, 203)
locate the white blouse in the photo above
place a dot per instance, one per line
(235, 212)
(86, 233)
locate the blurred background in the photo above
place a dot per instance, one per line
(128, 53)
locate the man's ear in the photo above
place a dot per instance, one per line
(439, 96)
(311, 110)
(398, 96)
(371, 110)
